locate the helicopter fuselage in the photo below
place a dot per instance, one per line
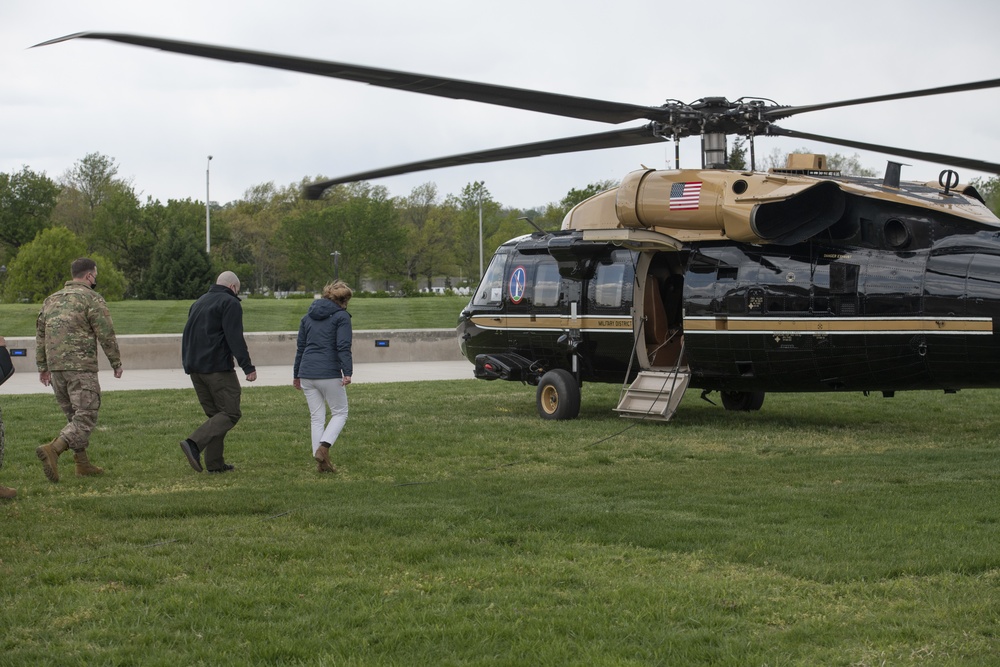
(888, 297)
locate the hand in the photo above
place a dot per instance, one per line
(251, 377)
(297, 383)
(45, 377)
(346, 380)
(118, 372)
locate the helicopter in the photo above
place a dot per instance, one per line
(740, 282)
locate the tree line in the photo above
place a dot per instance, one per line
(274, 238)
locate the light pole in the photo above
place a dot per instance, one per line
(336, 264)
(208, 211)
(480, 230)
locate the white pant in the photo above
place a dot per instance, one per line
(319, 394)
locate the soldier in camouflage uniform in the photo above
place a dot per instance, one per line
(72, 323)
(5, 491)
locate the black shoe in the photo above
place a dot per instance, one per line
(192, 453)
(226, 467)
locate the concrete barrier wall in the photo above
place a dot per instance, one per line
(270, 349)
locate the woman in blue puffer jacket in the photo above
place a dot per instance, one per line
(323, 368)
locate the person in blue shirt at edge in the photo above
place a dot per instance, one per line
(6, 370)
(323, 368)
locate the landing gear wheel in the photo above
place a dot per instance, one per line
(558, 395)
(743, 401)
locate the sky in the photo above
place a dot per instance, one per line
(160, 115)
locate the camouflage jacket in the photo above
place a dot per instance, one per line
(72, 322)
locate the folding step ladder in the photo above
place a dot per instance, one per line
(655, 394)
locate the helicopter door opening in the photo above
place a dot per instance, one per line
(662, 308)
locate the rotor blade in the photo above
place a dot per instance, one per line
(950, 160)
(517, 98)
(588, 142)
(784, 112)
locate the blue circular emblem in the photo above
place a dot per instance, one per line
(517, 281)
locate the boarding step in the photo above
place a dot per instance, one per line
(655, 394)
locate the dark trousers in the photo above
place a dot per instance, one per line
(219, 395)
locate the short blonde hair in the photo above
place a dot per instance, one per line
(338, 292)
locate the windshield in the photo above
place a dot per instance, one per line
(490, 290)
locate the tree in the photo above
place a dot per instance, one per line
(552, 215)
(86, 186)
(180, 267)
(373, 240)
(990, 190)
(428, 237)
(116, 230)
(111, 282)
(27, 200)
(737, 155)
(849, 165)
(310, 234)
(137, 243)
(357, 221)
(575, 196)
(254, 248)
(42, 266)
(92, 176)
(776, 159)
(475, 197)
(71, 211)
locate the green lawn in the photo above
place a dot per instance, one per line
(153, 317)
(823, 530)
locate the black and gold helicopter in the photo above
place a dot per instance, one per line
(740, 282)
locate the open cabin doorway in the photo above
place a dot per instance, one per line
(658, 315)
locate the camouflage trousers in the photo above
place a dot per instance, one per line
(79, 395)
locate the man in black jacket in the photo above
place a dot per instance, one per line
(213, 337)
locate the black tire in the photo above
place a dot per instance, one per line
(742, 401)
(558, 395)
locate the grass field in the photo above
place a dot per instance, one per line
(822, 530)
(154, 317)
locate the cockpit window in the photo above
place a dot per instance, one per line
(490, 290)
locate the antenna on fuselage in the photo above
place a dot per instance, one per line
(532, 223)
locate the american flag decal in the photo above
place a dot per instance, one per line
(684, 196)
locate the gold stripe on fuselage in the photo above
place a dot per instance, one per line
(749, 325)
(591, 323)
(838, 325)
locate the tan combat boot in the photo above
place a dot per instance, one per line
(7, 493)
(49, 456)
(84, 468)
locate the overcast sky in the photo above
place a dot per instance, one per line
(159, 115)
